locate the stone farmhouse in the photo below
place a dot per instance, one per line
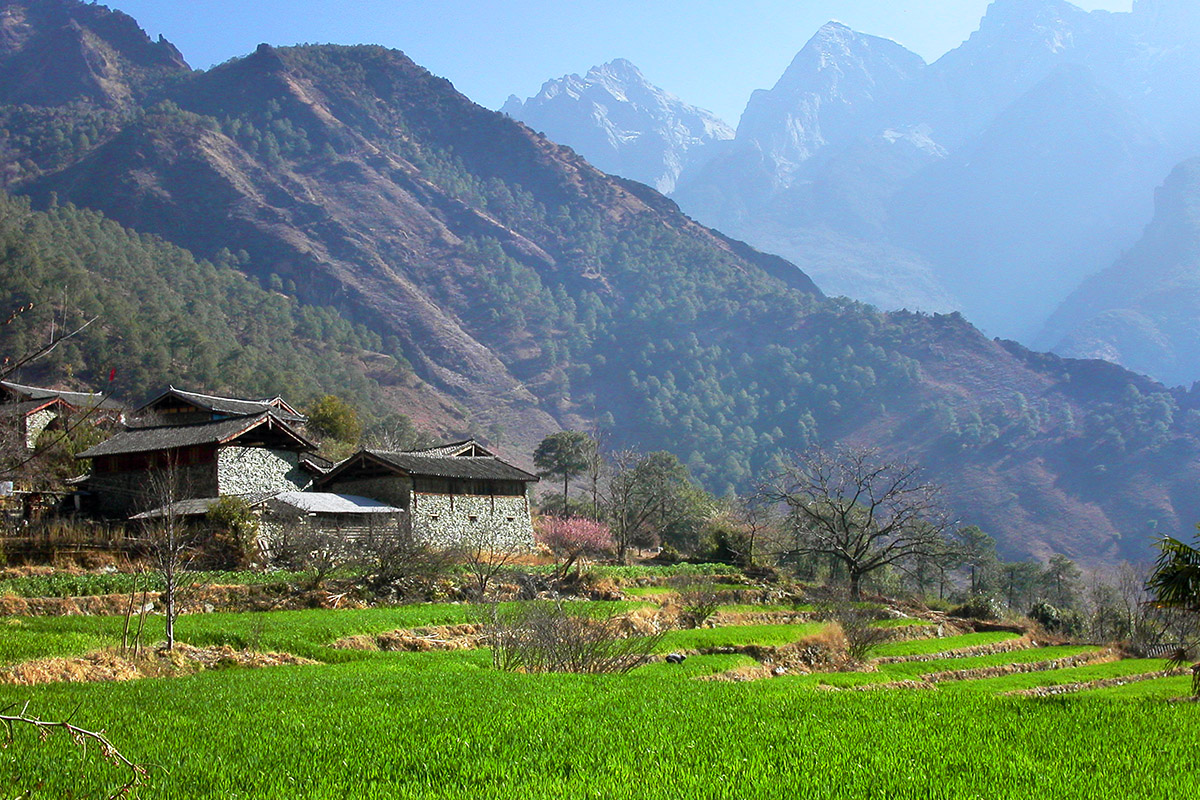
(453, 493)
(185, 450)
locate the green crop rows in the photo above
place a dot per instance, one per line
(446, 725)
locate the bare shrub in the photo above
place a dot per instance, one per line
(698, 600)
(857, 623)
(403, 567)
(548, 636)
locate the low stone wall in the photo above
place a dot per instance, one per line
(36, 423)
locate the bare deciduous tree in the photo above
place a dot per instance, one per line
(866, 512)
(170, 542)
(648, 494)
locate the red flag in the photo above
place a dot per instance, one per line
(112, 375)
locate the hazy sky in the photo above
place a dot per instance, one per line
(712, 53)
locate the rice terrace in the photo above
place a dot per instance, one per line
(939, 709)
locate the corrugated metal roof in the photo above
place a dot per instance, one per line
(306, 502)
(197, 507)
(170, 437)
(328, 503)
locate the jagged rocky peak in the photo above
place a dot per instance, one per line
(623, 123)
(57, 51)
(832, 85)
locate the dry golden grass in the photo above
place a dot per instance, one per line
(109, 665)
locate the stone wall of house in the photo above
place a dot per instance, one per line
(36, 423)
(498, 523)
(122, 494)
(250, 470)
(391, 490)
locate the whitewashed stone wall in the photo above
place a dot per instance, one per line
(247, 470)
(497, 522)
(36, 423)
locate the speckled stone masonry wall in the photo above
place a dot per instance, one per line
(249, 470)
(448, 521)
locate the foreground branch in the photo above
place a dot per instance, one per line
(137, 773)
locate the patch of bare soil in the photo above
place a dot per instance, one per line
(875, 687)
(821, 652)
(108, 665)
(729, 618)
(1107, 683)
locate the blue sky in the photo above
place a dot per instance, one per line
(712, 53)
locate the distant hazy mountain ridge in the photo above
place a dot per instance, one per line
(623, 124)
(993, 181)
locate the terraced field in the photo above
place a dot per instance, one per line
(940, 721)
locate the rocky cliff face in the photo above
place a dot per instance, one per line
(624, 124)
(58, 51)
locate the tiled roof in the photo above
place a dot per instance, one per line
(77, 399)
(170, 437)
(469, 467)
(232, 406)
(316, 463)
(26, 407)
(452, 449)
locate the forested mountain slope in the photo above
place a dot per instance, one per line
(530, 291)
(161, 316)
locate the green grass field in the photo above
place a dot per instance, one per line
(446, 725)
(64, 584)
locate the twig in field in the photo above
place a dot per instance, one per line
(81, 736)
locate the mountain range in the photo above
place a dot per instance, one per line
(483, 279)
(994, 181)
